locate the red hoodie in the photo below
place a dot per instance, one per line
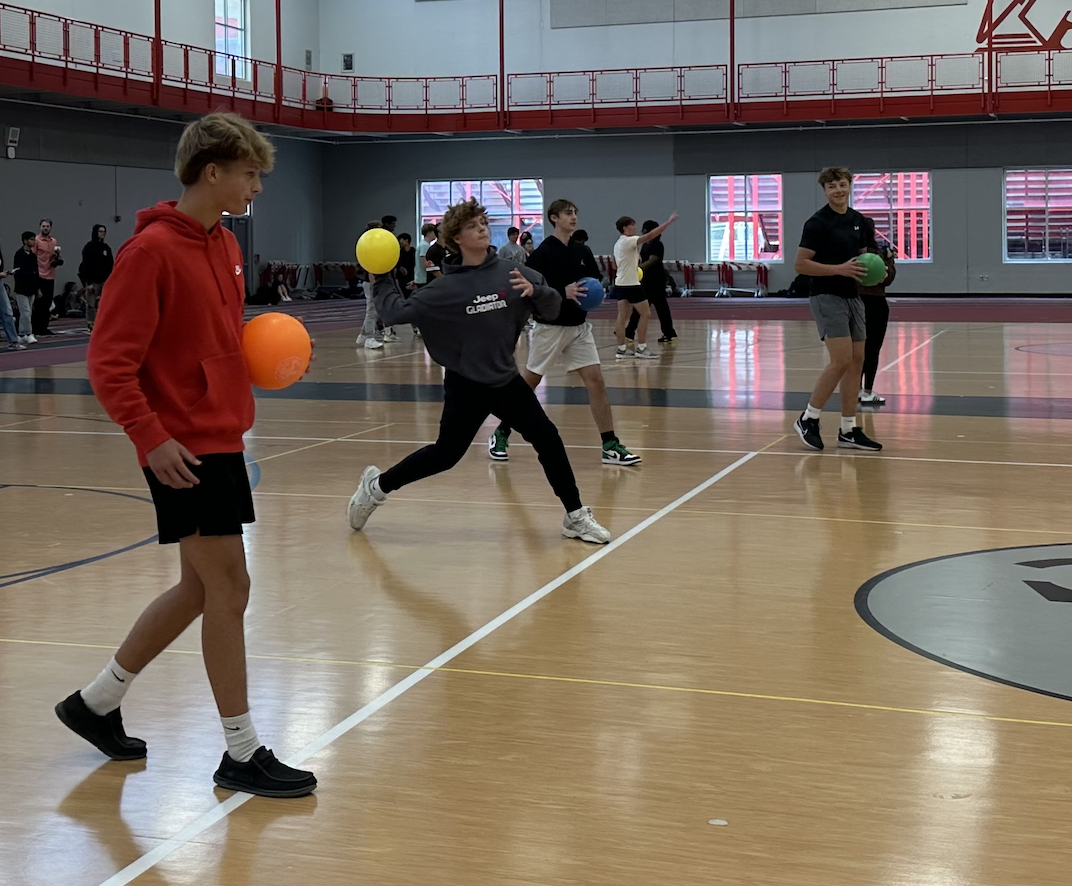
(165, 359)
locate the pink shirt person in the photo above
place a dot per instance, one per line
(46, 246)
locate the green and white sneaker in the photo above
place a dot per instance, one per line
(614, 453)
(497, 444)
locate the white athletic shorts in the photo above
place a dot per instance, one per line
(575, 344)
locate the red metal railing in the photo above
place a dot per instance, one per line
(41, 36)
(390, 95)
(90, 59)
(923, 76)
(622, 88)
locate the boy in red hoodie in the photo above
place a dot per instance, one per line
(166, 363)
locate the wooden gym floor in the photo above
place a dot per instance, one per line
(485, 702)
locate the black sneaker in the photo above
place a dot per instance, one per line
(264, 775)
(857, 439)
(667, 339)
(808, 431)
(105, 732)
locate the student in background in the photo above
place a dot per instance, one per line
(627, 286)
(876, 315)
(370, 337)
(7, 316)
(95, 269)
(513, 251)
(27, 286)
(48, 259)
(654, 286)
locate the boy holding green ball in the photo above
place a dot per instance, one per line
(832, 241)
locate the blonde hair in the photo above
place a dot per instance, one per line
(457, 217)
(835, 174)
(220, 138)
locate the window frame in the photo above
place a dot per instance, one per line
(243, 63)
(1046, 259)
(900, 257)
(748, 215)
(533, 220)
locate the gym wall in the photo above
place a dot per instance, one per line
(80, 169)
(649, 176)
(406, 38)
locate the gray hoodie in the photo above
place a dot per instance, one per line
(471, 317)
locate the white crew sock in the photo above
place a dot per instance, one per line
(241, 737)
(848, 422)
(106, 692)
(812, 412)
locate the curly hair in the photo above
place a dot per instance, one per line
(456, 218)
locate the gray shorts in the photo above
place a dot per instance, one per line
(839, 317)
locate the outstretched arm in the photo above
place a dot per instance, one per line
(651, 235)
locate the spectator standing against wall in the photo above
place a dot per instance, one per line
(96, 267)
(27, 286)
(48, 259)
(7, 317)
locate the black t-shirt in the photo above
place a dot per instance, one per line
(561, 265)
(437, 254)
(835, 239)
(655, 276)
(407, 264)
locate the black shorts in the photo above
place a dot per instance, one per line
(218, 505)
(632, 294)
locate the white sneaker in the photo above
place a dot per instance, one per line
(623, 353)
(364, 501)
(373, 344)
(390, 335)
(871, 398)
(642, 353)
(581, 524)
(31, 339)
(360, 340)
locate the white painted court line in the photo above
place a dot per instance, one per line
(199, 825)
(481, 444)
(916, 348)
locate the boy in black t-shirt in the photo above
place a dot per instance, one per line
(832, 240)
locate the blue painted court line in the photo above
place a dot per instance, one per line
(668, 398)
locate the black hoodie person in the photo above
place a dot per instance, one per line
(96, 267)
(471, 319)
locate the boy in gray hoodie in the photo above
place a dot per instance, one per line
(471, 319)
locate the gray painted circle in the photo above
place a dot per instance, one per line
(1005, 615)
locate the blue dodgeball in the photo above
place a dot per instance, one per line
(593, 296)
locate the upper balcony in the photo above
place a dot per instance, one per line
(42, 52)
